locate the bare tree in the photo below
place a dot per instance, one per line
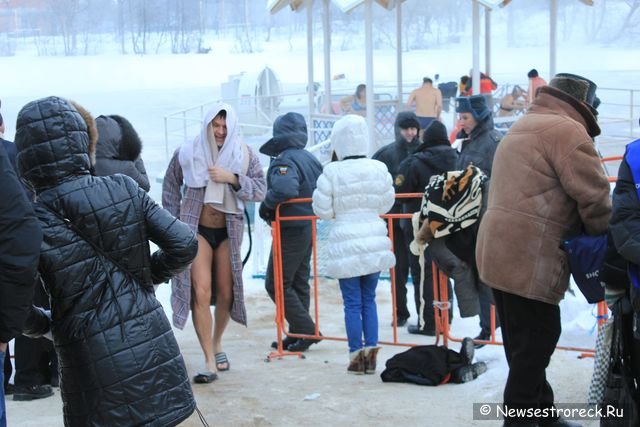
(138, 25)
(64, 13)
(121, 25)
(631, 19)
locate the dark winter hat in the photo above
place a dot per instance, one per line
(476, 105)
(435, 134)
(561, 81)
(1, 119)
(592, 100)
(576, 88)
(409, 122)
(532, 73)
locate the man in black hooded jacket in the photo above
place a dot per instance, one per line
(35, 359)
(20, 239)
(292, 173)
(406, 143)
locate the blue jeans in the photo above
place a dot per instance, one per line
(3, 410)
(360, 311)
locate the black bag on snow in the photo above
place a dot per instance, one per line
(424, 365)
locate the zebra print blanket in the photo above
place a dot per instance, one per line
(452, 200)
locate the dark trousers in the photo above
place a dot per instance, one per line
(431, 255)
(461, 273)
(7, 368)
(632, 345)
(35, 359)
(296, 254)
(36, 362)
(486, 299)
(530, 333)
(401, 250)
(422, 283)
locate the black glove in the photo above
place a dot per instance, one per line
(266, 213)
(38, 322)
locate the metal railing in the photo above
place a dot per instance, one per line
(617, 117)
(181, 125)
(619, 107)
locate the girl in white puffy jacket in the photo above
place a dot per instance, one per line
(354, 192)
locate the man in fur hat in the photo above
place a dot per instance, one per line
(407, 142)
(547, 183)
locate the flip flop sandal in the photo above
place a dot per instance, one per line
(221, 359)
(205, 377)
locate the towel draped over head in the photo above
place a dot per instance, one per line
(198, 155)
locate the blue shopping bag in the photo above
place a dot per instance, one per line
(586, 256)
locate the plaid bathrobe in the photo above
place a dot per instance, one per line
(186, 204)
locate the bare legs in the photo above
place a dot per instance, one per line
(224, 294)
(207, 263)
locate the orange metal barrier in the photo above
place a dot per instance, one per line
(611, 159)
(604, 160)
(441, 313)
(279, 285)
(441, 298)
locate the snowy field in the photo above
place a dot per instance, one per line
(255, 393)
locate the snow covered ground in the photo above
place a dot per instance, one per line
(255, 393)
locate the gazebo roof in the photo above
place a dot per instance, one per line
(346, 6)
(275, 6)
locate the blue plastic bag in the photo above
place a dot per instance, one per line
(586, 256)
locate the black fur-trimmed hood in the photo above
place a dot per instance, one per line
(117, 138)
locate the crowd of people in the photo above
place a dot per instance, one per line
(78, 276)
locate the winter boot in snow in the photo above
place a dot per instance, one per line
(356, 366)
(370, 356)
(468, 373)
(484, 335)
(467, 350)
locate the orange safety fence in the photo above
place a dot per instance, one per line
(279, 285)
(441, 312)
(441, 303)
(611, 159)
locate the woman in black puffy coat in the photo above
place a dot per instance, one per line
(118, 150)
(119, 362)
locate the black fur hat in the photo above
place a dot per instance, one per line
(409, 122)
